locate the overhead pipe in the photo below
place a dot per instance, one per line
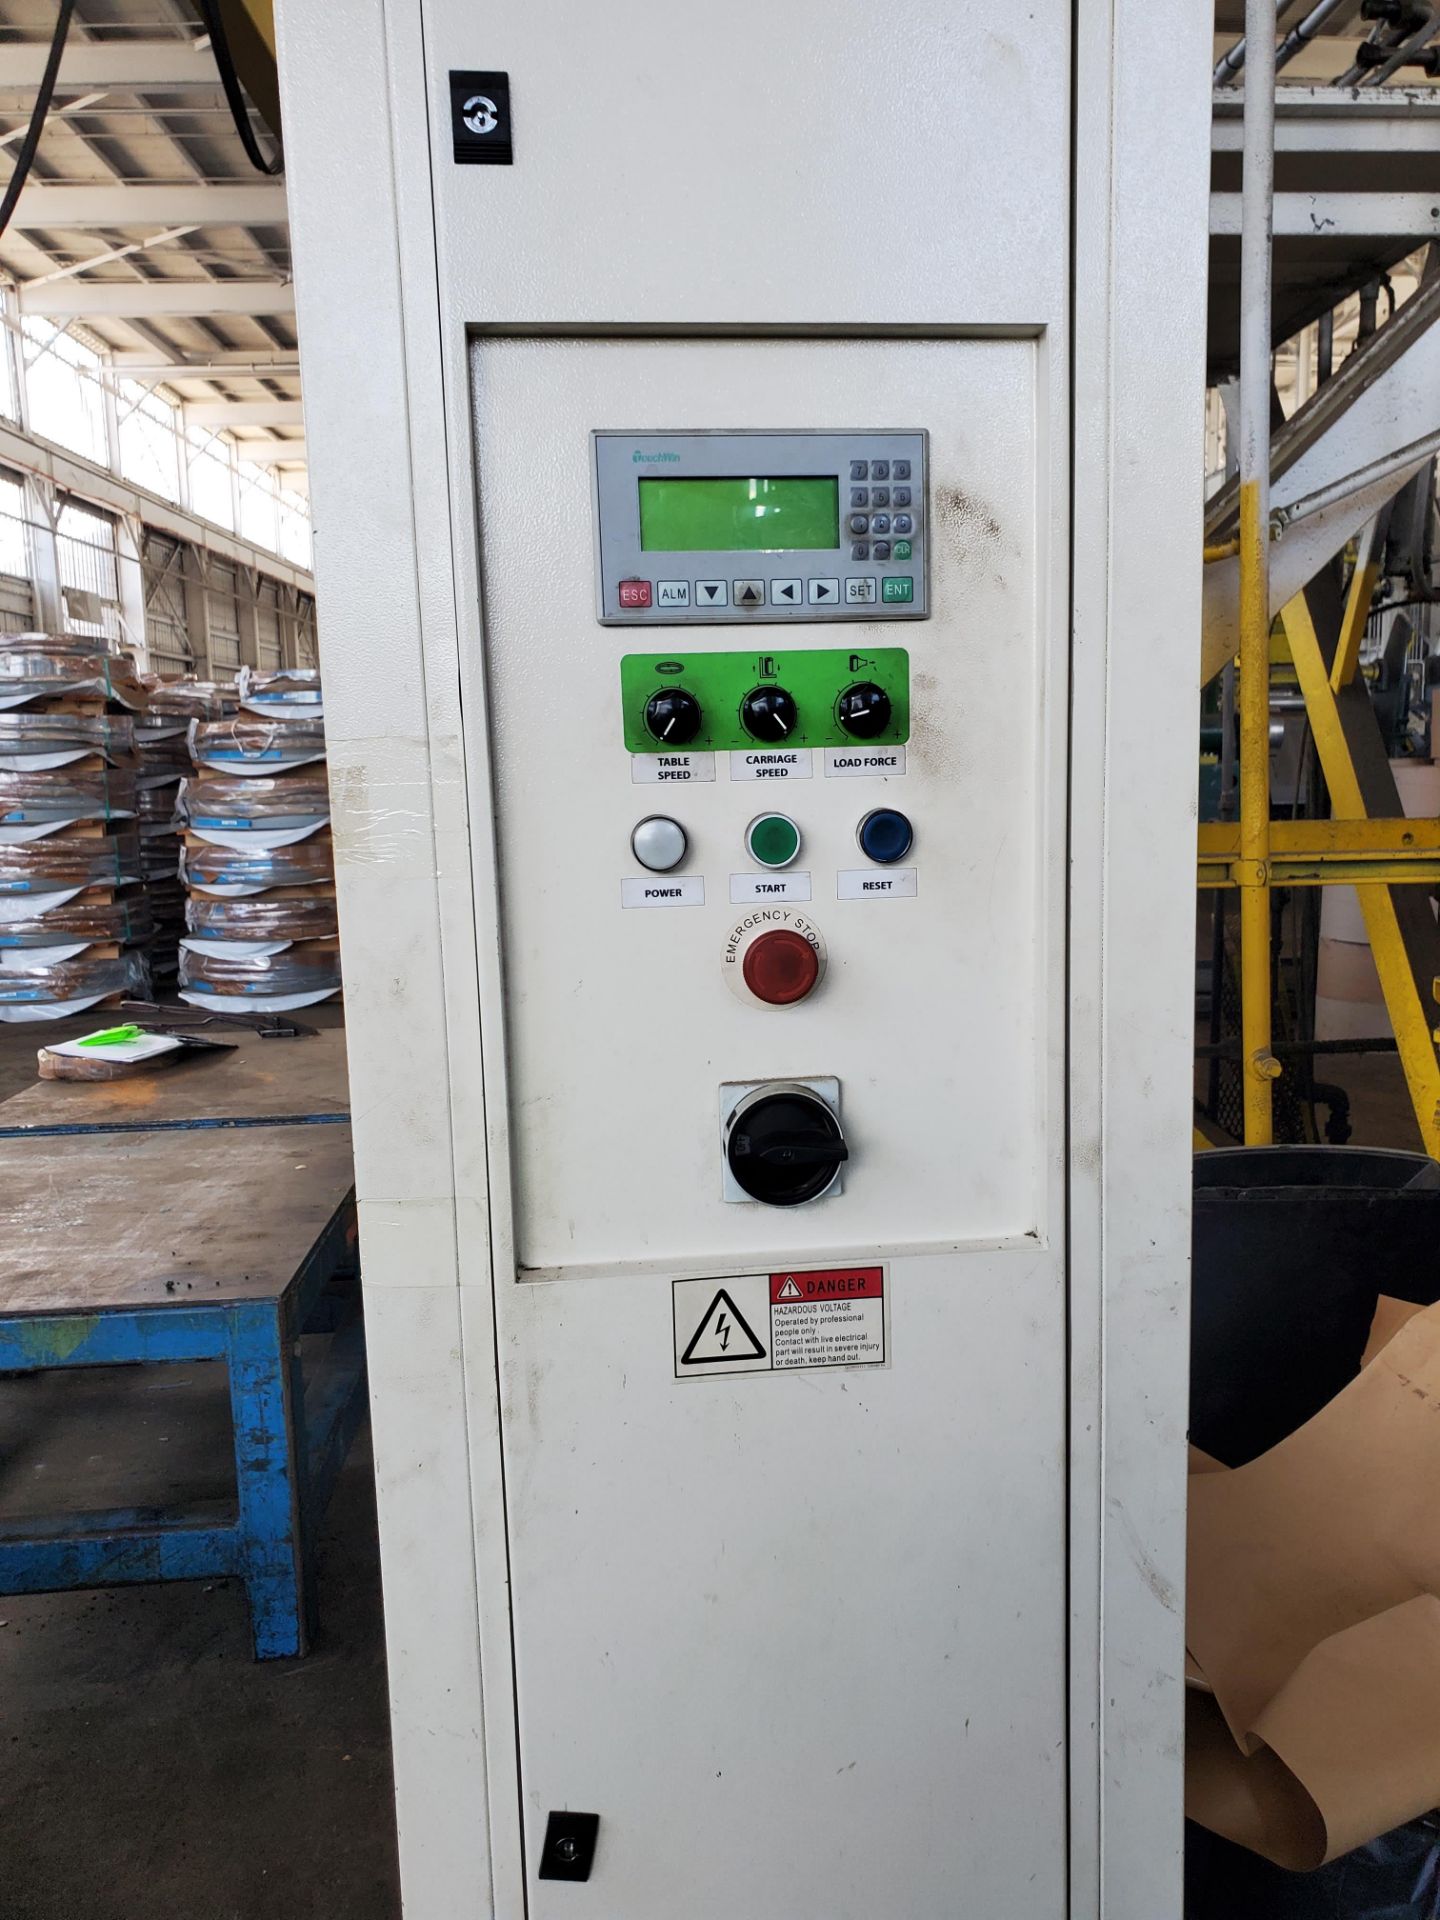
(1379, 56)
(1407, 50)
(1261, 1067)
(1229, 65)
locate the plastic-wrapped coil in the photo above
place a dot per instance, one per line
(306, 863)
(302, 968)
(250, 741)
(263, 917)
(121, 921)
(292, 690)
(156, 806)
(162, 756)
(190, 699)
(223, 800)
(24, 732)
(37, 666)
(66, 793)
(51, 864)
(82, 978)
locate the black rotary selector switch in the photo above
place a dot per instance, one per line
(864, 710)
(673, 716)
(784, 1145)
(769, 713)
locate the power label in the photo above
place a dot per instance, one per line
(781, 1322)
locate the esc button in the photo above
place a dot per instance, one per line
(634, 593)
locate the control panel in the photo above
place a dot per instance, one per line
(798, 857)
(699, 528)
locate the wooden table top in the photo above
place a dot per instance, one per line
(260, 1079)
(110, 1222)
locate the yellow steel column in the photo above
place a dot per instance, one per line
(1357, 605)
(1410, 1014)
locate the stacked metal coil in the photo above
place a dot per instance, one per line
(75, 926)
(162, 743)
(258, 858)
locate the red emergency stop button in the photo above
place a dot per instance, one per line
(634, 593)
(780, 967)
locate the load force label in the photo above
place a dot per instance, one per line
(780, 1322)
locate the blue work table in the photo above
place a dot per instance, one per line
(181, 1244)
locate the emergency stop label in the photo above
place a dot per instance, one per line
(783, 1322)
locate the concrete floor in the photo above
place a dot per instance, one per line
(149, 1768)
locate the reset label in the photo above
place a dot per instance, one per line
(779, 1322)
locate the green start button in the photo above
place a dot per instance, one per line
(772, 840)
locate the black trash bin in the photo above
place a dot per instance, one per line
(1292, 1248)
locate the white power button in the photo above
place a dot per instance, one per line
(659, 843)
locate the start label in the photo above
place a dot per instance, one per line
(782, 1322)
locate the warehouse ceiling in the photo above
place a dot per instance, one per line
(144, 221)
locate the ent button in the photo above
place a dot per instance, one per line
(772, 840)
(658, 843)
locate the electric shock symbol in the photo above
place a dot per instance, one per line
(723, 1334)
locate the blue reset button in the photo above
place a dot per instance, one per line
(885, 836)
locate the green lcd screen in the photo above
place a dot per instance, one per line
(740, 515)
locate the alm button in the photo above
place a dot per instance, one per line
(897, 587)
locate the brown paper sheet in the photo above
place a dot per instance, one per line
(1390, 1316)
(1314, 1615)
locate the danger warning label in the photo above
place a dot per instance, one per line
(780, 1322)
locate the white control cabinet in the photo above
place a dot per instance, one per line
(755, 461)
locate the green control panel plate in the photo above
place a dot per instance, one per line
(721, 682)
